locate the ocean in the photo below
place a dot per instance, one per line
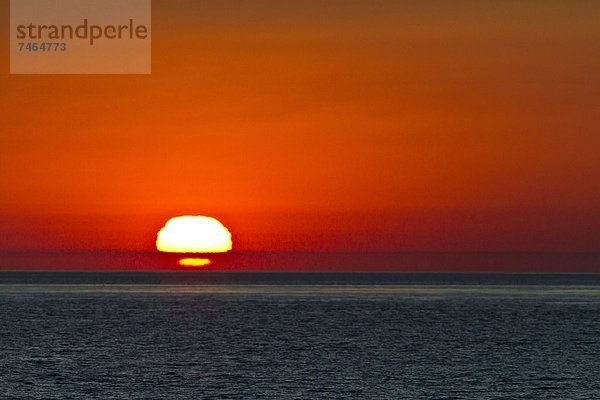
(225, 335)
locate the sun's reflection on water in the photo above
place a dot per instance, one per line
(194, 262)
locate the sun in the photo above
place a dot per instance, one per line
(193, 234)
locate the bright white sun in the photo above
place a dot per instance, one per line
(193, 234)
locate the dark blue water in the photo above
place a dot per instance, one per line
(299, 336)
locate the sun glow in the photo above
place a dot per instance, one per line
(193, 234)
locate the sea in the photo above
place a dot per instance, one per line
(234, 335)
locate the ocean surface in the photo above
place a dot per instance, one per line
(200, 335)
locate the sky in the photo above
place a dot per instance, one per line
(376, 125)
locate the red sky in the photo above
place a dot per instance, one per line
(338, 125)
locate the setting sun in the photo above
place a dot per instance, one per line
(193, 234)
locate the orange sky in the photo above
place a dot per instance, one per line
(338, 125)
